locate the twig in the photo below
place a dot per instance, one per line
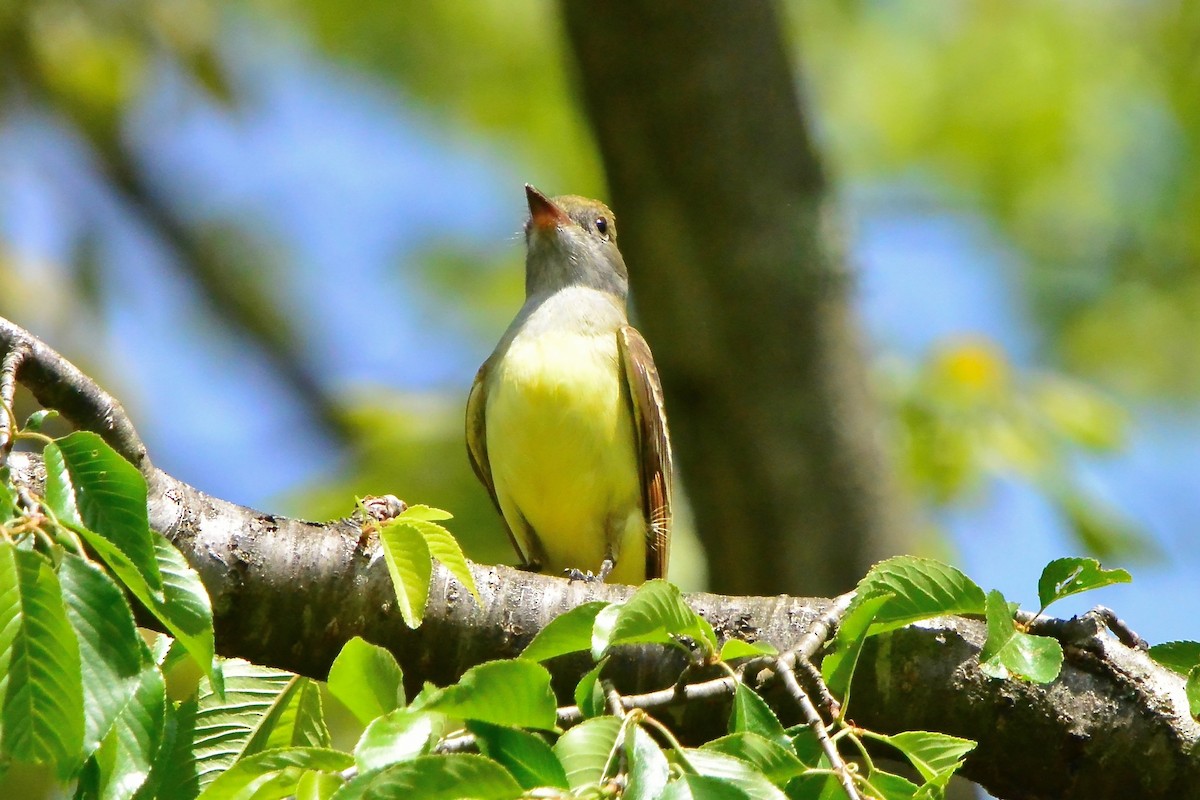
(813, 719)
(8, 388)
(59, 384)
(705, 690)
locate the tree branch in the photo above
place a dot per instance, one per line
(289, 593)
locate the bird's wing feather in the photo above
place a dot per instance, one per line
(477, 447)
(653, 446)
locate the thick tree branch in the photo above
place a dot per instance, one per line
(289, 593)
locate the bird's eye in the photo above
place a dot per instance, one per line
(602, 226)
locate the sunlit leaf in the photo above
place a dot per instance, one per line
(1063, 577)
(366, 679)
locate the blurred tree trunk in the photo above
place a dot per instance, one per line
(743, 289)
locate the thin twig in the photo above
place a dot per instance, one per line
(705, 690)
(813, 719)
(13, 359)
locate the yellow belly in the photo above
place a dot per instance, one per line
(560, 443)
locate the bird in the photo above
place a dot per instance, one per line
(566, 426)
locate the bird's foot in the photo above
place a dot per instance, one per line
(606, 567)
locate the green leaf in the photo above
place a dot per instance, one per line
(89, 485)
(656, 612)
(1036, 658)
(447, 777)
(1067, 576)
(569, 632)
(751, 713)
(427, 513)
(367, 680)
(525, 755)
(736, 648)
(275, 773)
(401, 735)
(513, 692)
(838, 666)
(37, 419)
(110, 649)
(1193, 692)
(318, 785)
(212, 731)
(923, 588)
(734, 770)
(586, 750)
(931, 753)
(443, 546)
(126, 755)
(182, 605)
(649, 769)
(700, 787)
(775, 761)
(1177, 656)
(589, 693)
(892, 787)
(295, 719)
(8, 500)
(410, 565)
(42, 719)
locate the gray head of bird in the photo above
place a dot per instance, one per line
(572, 241)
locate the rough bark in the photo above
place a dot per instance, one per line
(743, 290)
(289, 593)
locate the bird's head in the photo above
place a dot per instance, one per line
(572, 241)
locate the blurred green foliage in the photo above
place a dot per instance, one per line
(1073, 129)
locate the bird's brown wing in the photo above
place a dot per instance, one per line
(477, 448)
(653, 446)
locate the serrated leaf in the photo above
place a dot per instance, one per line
(37, 419)
(8, 500)
(212, 731)
(735, 771)
(1000, 626)
(736, 648)
(182, 605)
(401, 735)
(42, 719)
(589, 694)
(923, 588)
(1036, 658)
(513, 692)
(656, 612)
(700, 787)
(318, 785)
(750, 713)
(1193, 692)
(1177, 656)
(410, 565)
(585, 750)
(111, 652)
(1064, 577)
(525, 755)
(649, 769)
(569, 632)
(367, 680)
(426, 513)
(931, 753)
(444, 547)
(892, 787)
(448, 777)
(89, 484)
(775, 761)
(126, 755)
(294, 719)
(274, 773)
(838, 666)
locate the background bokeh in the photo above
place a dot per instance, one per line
(285, 234)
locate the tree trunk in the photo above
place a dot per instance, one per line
(744, 293)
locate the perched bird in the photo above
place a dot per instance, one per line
(565, 420)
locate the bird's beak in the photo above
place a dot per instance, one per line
(543, 214)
